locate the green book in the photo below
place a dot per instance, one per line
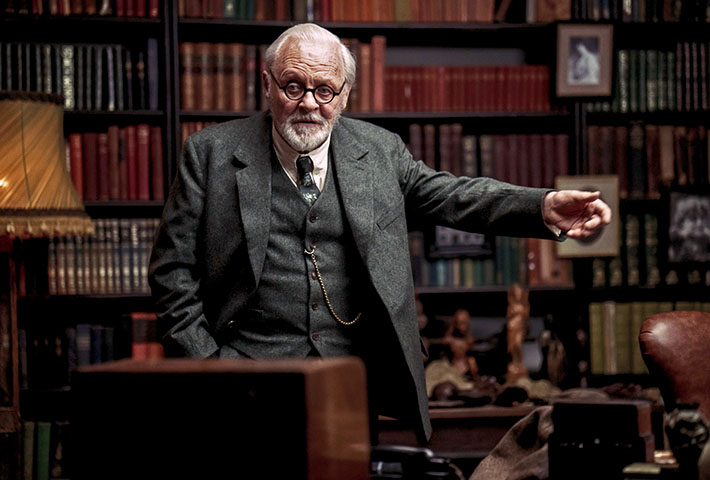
(633, 81)
(651, 80)
(609, 327)
(596, 339)
(671, 80)
(633, 274)
(622, 337)
(662, 74)
(642, 76)
(42, 452)
(28, 449)
(653, 274)
(623, 59)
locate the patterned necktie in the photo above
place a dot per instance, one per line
(305, 179)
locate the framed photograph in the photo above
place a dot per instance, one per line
(689, 227)
(584, 60)
(446, 242)
(605, 242)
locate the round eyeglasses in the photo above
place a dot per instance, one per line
(295, 91)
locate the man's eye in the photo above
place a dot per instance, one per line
(294, 88)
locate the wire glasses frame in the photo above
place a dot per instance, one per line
(295, 91)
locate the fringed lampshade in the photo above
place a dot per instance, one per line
(37, 197)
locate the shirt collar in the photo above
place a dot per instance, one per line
(287, 156)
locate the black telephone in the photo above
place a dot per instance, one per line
(410, 463)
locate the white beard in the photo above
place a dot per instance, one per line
(307, 139)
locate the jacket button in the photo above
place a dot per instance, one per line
(314, 305)
(315, 336)
(313, 246)
(313, 218)
(231, 324)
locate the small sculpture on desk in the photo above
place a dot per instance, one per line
(516, 326)
(459, 340)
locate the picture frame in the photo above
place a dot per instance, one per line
(604, 242)
(445, 242)
(688, 227)
(584, 60)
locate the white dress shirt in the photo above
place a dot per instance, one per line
(287, 158)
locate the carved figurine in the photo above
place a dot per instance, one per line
(459, 340)
(516, 326)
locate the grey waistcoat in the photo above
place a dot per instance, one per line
(288, 316)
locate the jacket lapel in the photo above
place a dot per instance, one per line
(252, 159)
(353, 172)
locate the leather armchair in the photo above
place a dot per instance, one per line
(676, 349)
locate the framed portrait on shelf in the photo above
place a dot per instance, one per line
(446, 242)
(689, 226)
(584, 60)
(604, 242)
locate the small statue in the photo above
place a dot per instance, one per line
(516, 327)
(459, 340)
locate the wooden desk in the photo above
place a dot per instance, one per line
(464, 435)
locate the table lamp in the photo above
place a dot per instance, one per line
(37, 199)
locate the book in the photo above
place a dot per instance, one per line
(251, 75)
(152, 69)
(633, 248)
(76, 167)
(378, 47)
(143, 166)
(145, 342)
(131, 154)
(28, 449)
(636, 161)
(596, 339)
(156, 163)
(653, 161)
(187, 76)
(89, 146)
(42, 443)
(103, 170)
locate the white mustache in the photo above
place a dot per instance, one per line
(309, 118)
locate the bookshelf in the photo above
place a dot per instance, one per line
(533, 43)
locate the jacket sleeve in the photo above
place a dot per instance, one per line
(482, 205)
(174, 272)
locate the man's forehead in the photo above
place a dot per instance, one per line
(309, 54)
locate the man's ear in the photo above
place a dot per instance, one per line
(346, 96)
(265, 83)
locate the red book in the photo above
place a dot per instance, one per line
(132, 162)
(129, 6)
(535, 163)
(524, 159)
(114, 191)
(122, 165)
(145, 343)
(220, 77)
(621, 136)
(548, 163)
(234, 71)
(156, 163)
(500, 157)
(143, 161)
(102, 166)
(76, 163)
(653, 161)
(90, 7)
(187, 76)
(378, 73)
(365, 69)
(121, 8)
(153, 10)
(561, 142)
(90, 158)
(205, 77)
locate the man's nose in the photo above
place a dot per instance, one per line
(308, 102)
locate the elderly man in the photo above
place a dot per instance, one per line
(285, 234)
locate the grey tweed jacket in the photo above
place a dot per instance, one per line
(209, 252)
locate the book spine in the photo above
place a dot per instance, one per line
(143, 161)
(103, 171)
(156, 163)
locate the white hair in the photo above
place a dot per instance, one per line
(315, 33)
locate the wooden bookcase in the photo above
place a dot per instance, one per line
(535, 42)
